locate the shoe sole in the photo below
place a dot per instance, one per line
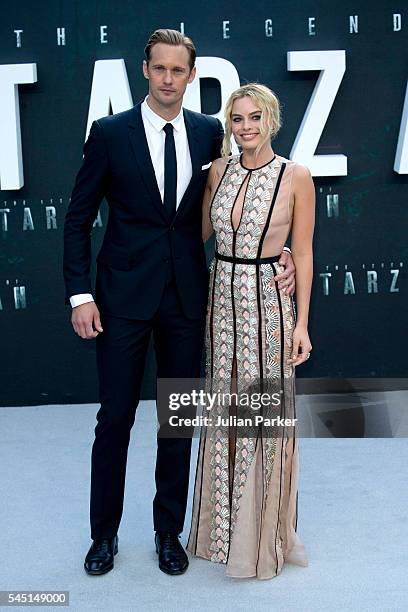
(104, 571)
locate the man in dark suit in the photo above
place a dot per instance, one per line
(151, 163)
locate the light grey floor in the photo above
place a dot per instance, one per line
(353, 511)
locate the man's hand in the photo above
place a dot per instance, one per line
(286, 280)
(86, 320)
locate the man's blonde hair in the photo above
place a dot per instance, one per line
(171, 37)
(268, 103)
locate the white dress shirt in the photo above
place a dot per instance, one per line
(153, 125)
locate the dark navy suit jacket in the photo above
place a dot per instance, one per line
(140, 241)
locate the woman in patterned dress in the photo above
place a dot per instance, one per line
(245, 494)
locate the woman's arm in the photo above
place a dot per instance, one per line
(302, 253)
(213, 180)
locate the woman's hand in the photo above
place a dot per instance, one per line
(301, 346)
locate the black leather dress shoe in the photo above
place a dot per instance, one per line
(172, 556)
(99, 559)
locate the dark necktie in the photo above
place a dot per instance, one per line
(170, 172)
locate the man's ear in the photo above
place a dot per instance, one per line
(192, 75)
(145, 70)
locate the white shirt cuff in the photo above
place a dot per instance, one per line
(285, 248)
(80, 298)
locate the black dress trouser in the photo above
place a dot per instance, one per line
(121, 351)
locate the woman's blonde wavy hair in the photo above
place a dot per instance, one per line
(270, 115)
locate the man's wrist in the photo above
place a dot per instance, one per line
(80, 298)
(286, 248)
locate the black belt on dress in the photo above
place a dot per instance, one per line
(242, 260)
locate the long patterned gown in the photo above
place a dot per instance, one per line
(245, 494)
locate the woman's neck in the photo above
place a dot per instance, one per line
(250, 160)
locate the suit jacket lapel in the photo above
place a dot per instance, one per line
(140, 148)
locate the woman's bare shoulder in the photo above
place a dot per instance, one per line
(221, 163)
(302, 181)
(301, 171)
